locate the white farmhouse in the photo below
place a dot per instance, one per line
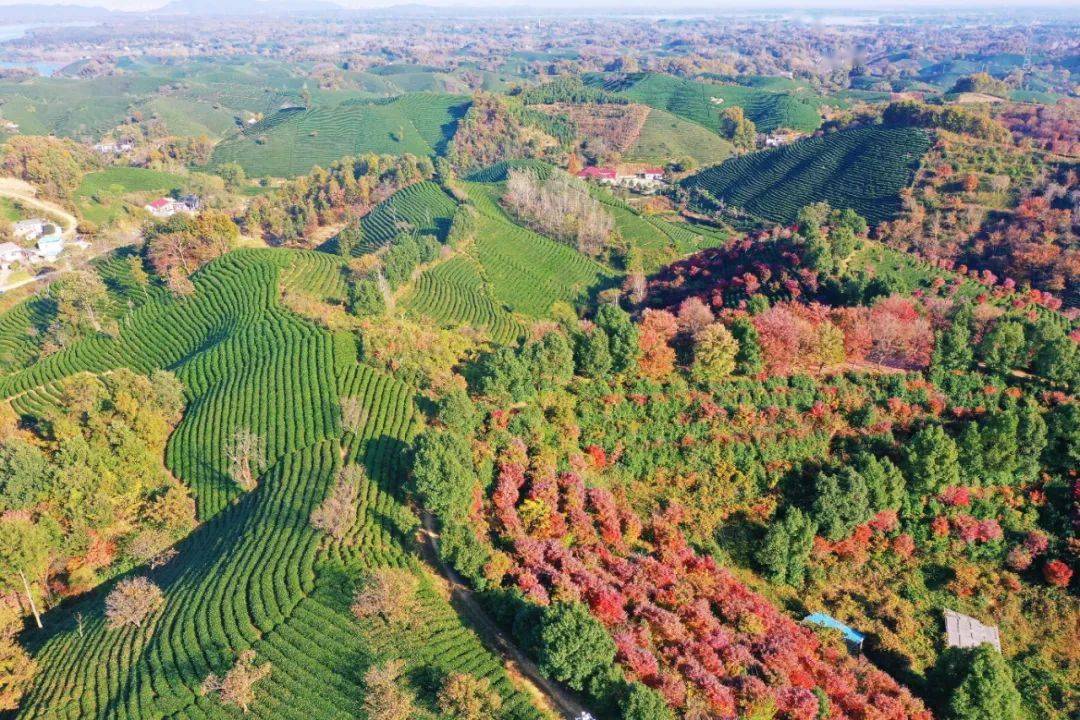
(30, 229)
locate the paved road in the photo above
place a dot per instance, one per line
(461, 597)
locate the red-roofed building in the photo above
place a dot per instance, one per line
(651, 173)
(600, 174)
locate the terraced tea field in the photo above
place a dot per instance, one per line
(702, 103)
(422, 208)
(292, 141)
(863, 169)
(254, 574)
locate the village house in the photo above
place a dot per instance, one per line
(778, 139)
(30, 229)
(51, 242)
(167, 207)
(646, 180)
(114, 148)
(599, 174)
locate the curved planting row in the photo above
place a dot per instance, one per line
(315, 274)
(863, 169)
(291, 142)
(453, 294)
(525, 271)
(254, 574)
(703, 102)
(422, 207)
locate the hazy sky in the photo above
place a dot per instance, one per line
(854, 5)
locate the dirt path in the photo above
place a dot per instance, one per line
(26, 194)
(461, 597)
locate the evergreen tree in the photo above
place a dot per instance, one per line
(787, 547)
(366, 298)
(932, 461)
(749, 360)
(843, 501)
(443, 474)
(592, 353)
(549, 361)
(987, 691)
(1056, 357)
(1004, 347)
(503, 374)
(644, 703)
(952, 350)
(884, 481)
(456, 411)
(573, 644)
(970, 454)
(622, 336)
(1063, 446)
(1031, 438)
(1000, 449)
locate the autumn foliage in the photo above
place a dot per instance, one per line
(682, 624)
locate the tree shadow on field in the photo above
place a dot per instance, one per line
(386, 459)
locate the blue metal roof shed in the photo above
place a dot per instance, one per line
(851, 635)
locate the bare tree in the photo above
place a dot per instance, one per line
(694, 315)
(386, 696)
(337, 513)
(132, 601)
(465, 697)
(353, 414)
(237, 686)
(561, 207)
(246, 453)
(389, 593)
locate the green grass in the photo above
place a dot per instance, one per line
(665, 137)
(656, 241)
(100, 197)
(696, 101)
(863, 169)
(291, 142)
(9, 210)
(254, 574)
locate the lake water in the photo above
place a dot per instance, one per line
(43, 68)
(14, 32)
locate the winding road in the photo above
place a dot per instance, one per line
(461, 597)
(25, 193)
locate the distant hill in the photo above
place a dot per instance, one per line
(28, 13)
(245, 7)
(863, 169)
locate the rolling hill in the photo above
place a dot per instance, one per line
(703, 102)
(293, 140)
(863, 169)
(255, 574)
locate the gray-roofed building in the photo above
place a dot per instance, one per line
(963, 631)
